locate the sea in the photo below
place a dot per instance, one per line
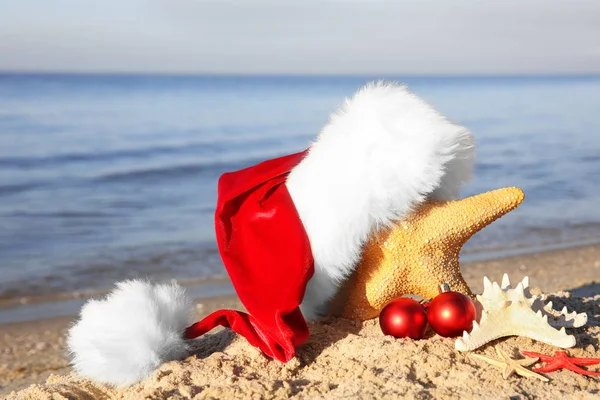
(109, 177)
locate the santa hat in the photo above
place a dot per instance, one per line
(290, 231)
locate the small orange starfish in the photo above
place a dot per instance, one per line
(561, 360)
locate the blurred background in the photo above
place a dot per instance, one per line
(117, 118)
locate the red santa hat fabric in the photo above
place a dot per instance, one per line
(267, 255)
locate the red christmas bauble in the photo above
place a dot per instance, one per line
(403, 317)
(451, 313)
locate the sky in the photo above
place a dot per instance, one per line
(301, 37)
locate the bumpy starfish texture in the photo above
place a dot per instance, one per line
(510, 366)
(557, 319)
(509, 312)
(420, 252)
(562, 360)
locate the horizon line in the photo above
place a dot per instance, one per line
(301, 75)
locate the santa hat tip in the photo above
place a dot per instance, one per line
(122, 338)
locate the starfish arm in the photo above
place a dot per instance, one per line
(527, 373)
(502, 354)
(495, 363)
(551, 366)
(508, 371)
(576, 369)
(474, 213)
(542, 357)
(527, 362)
(585, 361)
(506, 318)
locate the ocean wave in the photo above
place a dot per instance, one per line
(62, 159)
(214, 166)
(64, 214)
(209, 145)
(18, 188)
(193, 261)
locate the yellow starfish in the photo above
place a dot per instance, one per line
(420, 252)
(510, 366)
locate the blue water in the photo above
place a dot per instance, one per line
(108, 177)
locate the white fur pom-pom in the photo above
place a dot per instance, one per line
(135, 328)
(382, 154)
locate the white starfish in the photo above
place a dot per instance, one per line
(557, 319)
(510, 312)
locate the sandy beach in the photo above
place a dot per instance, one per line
(342, 359)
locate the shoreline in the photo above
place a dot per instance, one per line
(32, 351)
(29, 308)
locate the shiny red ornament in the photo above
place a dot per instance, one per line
(403, 317)
(451, 313)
